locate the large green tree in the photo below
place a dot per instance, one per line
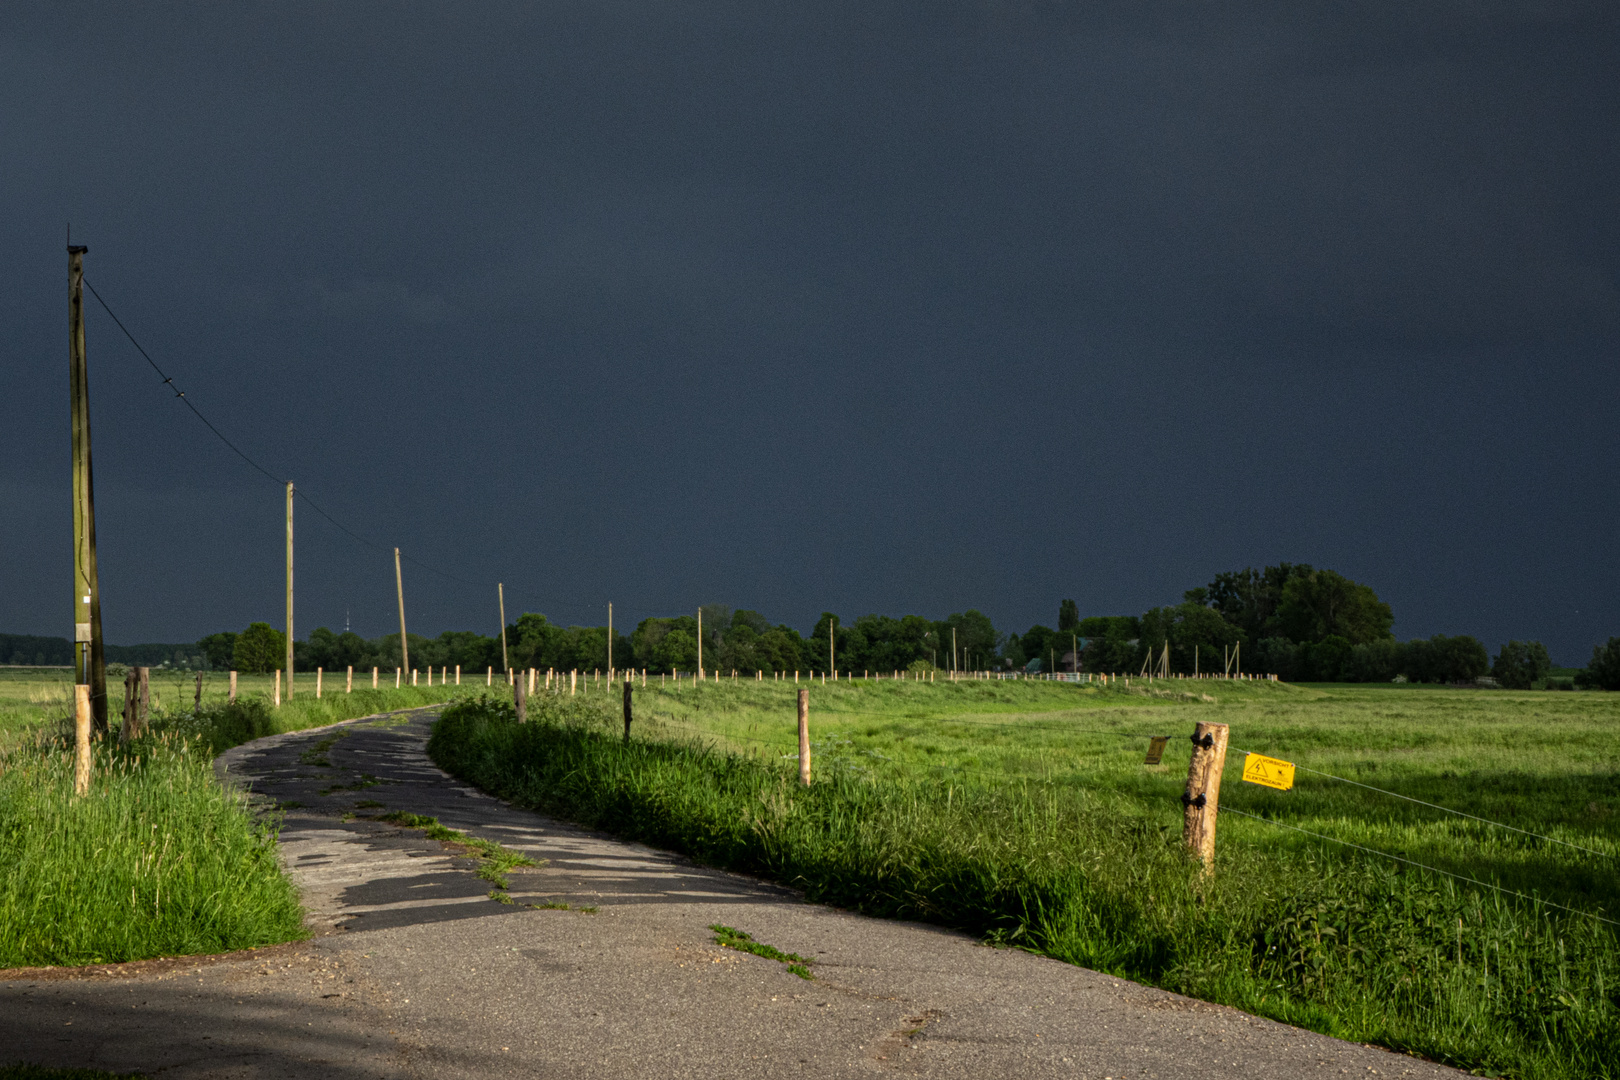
(1603, 673)
(259, 649)
(1521, 664)
(1322, 604)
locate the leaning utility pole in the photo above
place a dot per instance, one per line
(289, 592)
(500, 595)
(89, 657)
(404, 645)
(700, 642)
(610, 642)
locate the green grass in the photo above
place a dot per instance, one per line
(731, 938)
(494, 860)
(1022, 812)
(157, 860)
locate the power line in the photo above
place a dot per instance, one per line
(181, 394)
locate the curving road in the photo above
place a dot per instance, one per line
(415, 972)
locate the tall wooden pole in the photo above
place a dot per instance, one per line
(89, 658)
(399, 589)
(289, 591)
(832, 632)
(700, 643)
(500, 596)
(610, 643)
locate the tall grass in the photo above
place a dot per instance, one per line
(156, 861)
(1364, 950)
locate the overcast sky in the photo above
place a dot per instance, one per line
(801, 307)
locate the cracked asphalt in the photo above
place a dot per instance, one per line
(414, 971)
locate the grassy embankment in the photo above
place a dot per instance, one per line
(1022, 812)
(157, 860)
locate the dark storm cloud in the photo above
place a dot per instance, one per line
(866, 307)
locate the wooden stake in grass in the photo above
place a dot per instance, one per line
(81, 738)
(520, 699)
(348, 681)
(374, 678)
(278, 688)
(1203, 795)
(458, 674)
(628, 686)
(319, 673)
(233, 688)
(804, 737)
(196, 702)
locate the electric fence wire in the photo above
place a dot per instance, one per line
(1447, 809)
(237, 450)
(1420, 866)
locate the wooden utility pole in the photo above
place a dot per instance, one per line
(804, 737)
(1203, 795)
(832, 632)
(610, 653)
(700, 643)
(289, 591)
(399, 589)
(500, 597)
(89, 656)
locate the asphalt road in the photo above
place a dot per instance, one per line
(415, 972)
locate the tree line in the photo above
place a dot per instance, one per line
(1293, 620)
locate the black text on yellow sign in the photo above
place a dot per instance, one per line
(1269, 771)
(1156, 746)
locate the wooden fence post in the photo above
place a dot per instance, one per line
(126, 730)
(489, 676)
(233, 688)
(196, 702)
(81, 739)
(628, 685)
(1202, 797)
(319, 673)
(804, 737)
(520, 699)
(374, 678)
(278, 688)
(458, 674)
(348, 681)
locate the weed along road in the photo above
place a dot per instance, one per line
(433, 956)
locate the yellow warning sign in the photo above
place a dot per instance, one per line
(1269, 771)
(1156, 745)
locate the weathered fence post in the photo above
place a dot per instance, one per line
(804, 737)
(278, 688)
(1202, 797)
(81, 738)
(320, 673)
(196, 702)
(233, 688)
(520, 699)
(348, 681)
(628, 685)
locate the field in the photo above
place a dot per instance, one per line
(1023, 812)
(158, 860)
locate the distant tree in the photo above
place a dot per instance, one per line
(1442, 659)
(1197, 635)
(1323, 661)
(1322, 604)
(1375, 661)
(1603, 673)
(259, 649)
(1068, 616)
(1520, 664)
(218, 650)
(1249, 598)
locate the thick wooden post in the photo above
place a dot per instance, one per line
(804, 737)
(1203, 795)
(374, 678)
(628, 686)
(126, 730)
(520, 699)
(81, 739)
(196, 703)
(278, 688)
(233, 688)
(319, 673)
(348, 681)
(458, 674)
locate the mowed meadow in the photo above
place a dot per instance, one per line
(1023, 812)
